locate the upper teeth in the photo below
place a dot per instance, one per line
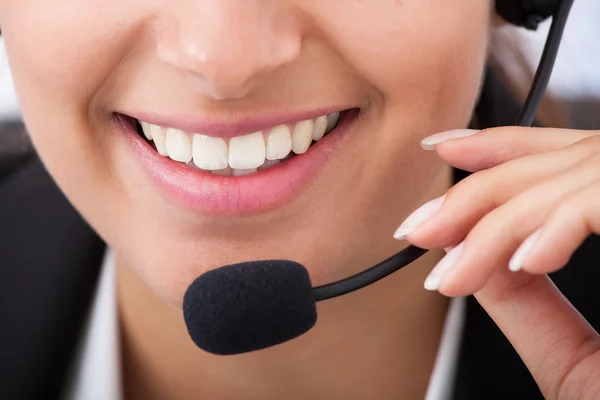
(239, 155)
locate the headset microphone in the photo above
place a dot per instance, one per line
(254, 305)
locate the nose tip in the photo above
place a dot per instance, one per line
(227, 57)
(230, 74)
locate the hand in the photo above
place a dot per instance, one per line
(533, 198)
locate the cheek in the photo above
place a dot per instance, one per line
(61, 55)
(421, 58)
(423, 62)
(61, 77)
(64, 79)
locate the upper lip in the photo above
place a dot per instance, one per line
(229, 127)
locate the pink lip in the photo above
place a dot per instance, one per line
(208, 193)
(230, 127)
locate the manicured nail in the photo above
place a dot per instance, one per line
(430, 142)
(518, 259)
(419, 216)
(437, 274)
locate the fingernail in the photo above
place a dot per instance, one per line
(430, 142)
(418, 217)
(518, 259)
(437, 274)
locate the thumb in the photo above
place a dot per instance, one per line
(558, 346)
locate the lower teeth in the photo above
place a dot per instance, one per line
(241, 172)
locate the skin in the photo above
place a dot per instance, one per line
(75, 64)
(492, 216)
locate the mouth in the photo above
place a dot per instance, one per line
(218, 172)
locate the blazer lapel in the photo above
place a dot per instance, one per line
(49, 264)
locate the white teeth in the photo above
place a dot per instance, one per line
(242, 172)
(240, 155)
(246, 152)
(332, 120)
(210, 153)
(279, 143)
(319, 128)
(179, 145)
(159, 135)
(146, 129)
(302, 136)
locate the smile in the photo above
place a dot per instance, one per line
(239, 155)
(233, 168)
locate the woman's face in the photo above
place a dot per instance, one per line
(397, 70)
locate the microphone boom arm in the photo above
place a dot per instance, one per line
(371, 275)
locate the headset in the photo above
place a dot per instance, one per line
(254, 305)
(527, 13)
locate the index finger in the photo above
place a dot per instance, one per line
(550, 335)
(490, 147)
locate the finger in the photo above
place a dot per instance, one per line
(491, 147)
(569, 224)
(495, 238)
(554, 341)
(477, 195)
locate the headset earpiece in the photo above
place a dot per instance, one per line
(526, 13)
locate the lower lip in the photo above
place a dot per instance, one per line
(265, 190)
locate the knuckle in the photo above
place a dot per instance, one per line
(569, 208)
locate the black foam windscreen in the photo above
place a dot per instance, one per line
(249, 306)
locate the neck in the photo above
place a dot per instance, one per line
(378, 342)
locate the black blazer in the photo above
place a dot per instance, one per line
(50, 260)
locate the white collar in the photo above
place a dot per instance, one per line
(98, 367)
(441, 383)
